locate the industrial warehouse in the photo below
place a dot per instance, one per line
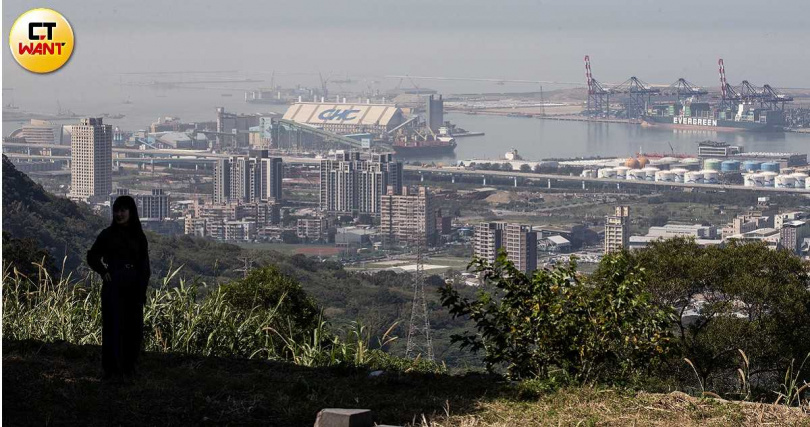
(376, 119)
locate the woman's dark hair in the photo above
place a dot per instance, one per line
(128, 203)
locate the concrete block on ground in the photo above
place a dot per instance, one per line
(338, 417)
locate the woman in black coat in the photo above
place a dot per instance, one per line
(121, 256)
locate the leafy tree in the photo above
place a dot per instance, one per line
(506, 166)
(741, 296)
(525, 168)
(290, 237)
(551, 320)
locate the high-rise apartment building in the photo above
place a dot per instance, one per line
(248, 179)
(150, 206)
(519, 242)
(352, 184)
(617, 230)
(272, 174)
(91, 160)
(408, 218)
(792, 234)
(488, 240)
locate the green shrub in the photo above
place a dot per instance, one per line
(267, 289)
(551, 321)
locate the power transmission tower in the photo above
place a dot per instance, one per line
(419, 342)
(248, 266)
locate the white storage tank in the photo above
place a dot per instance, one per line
(710, 176)
(748, 180)
(801, 179)
(621, 172)
(807, 184)
(664, 176)
(650, 172)
(636, 175)
(588, 173)
(608, 173)
(785, 181)
(769, 179)
(693, 177)
(679, 172)
(691, 164)
(758, 178)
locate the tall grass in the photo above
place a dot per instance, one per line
(178, 320)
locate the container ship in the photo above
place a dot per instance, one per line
(265, 96)
(441, 146)
(703, 116)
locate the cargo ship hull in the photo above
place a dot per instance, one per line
(424, 151)
(715, 125)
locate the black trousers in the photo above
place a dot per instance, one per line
(122, 322)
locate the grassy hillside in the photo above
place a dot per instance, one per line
(57, 384)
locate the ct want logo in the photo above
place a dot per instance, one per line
(41, 40)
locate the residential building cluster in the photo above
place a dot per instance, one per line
(519, 241)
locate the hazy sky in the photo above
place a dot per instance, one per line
(658, 41)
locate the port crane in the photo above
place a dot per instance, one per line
(638, 95)
(683, 89)
(598, 103)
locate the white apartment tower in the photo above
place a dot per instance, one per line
(519, 242)
(351, 184)
(617, 230)
(91, 162)
(408, 218)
